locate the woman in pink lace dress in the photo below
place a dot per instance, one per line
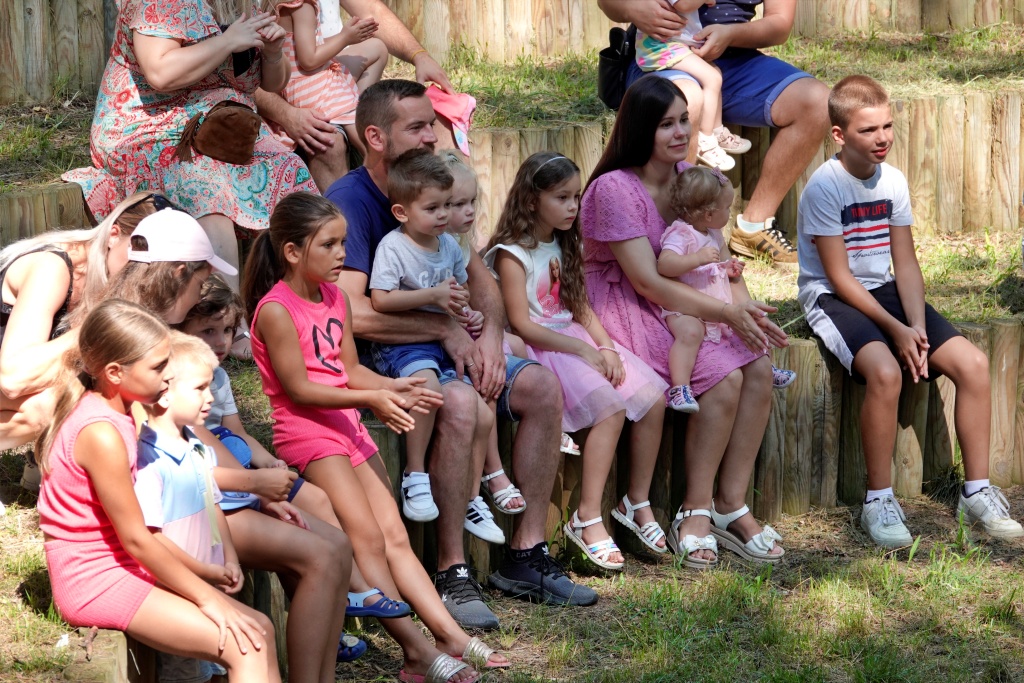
(172, 59)
(624, 211)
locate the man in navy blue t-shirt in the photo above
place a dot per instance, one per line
(757, 90)
(393, 117)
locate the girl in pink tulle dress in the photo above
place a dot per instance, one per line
(693, 250)
(536, 255)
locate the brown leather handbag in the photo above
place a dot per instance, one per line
(226, 133)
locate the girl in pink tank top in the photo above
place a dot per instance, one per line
(104, 563)
(304, 348)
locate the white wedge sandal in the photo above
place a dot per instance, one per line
(690, 543)
(757, 549)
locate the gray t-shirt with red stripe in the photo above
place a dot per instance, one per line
(862, 211)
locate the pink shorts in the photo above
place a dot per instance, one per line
(96, 583)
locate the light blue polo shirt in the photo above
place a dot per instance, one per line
(171, 488)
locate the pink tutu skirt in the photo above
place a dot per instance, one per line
(589, 397)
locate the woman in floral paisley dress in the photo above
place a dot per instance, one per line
(172, 59)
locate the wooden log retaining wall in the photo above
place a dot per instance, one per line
(817, 17)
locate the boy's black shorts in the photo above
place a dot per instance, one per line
(845, 330)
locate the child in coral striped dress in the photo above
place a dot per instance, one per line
(318, 80)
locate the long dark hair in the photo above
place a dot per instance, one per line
(295, 219)
(632, 140)
(543, 171)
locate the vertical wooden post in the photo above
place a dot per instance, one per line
(981, 336)
(900, 153)
(36, 18)
(12, 52)
(986, 12)
(828, 408)
(544, 26)
(856, 16)
(940, 445)
(768, 472)
(481, 164)
(574, 27)
(563, 141)
(949, 209)
(921, 161)
(589, 141)
(491, 28)
(1006, 162)
(65, 32)
(907, 16)
(978, 163)
(852, 473)
(805, 22)
(798, 456)
(911, 438)
(437, 30)
(518, 28)
(961, 14)
(829, 18)
(108, 21)
(881, 15)
(754, 159)
(595, 27)
(1003, 366)
(504, 164)
(531, 141)
(1018, 438)
(935, 15)
(93, 49)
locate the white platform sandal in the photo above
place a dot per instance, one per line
(757, 549)
(502, 497)
(597, 553)
(649, 533)
(690, 543)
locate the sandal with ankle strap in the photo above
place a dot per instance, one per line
(649, 533)
(597, 553)
(502, 497)
(757, 549)
(690, 543)
(385, 608)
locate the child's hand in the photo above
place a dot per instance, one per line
(912, 351)
(459, 301)
(443, 292)
(227, 578)
(597, 359)
(389, 407)
(616, 370)
(237, 577)
(273, 482)
(706, 255)
(279, 464)
(357, 30)
(286, 512)
(473, 321)
(222, 612)
(416, 397)
(273, 36)
(734, 267)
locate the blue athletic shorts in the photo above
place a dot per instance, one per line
(402, 360)
(751, 82)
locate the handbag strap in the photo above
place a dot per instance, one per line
(183, 151)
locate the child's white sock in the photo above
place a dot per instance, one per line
(972, 487)
(874, 495)
(747, 226)
(706, 141)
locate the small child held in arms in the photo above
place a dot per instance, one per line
(176, 490)
(419, 266)
(692, 250)
(861, 286)
(714, 141)
(462, 226)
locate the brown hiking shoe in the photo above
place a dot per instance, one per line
(770, 241)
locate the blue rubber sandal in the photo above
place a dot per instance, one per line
(385, 608)
(350, 648)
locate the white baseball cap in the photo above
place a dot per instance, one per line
(175, 236)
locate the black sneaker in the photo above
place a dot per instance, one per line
(463, 598)
(542, 578)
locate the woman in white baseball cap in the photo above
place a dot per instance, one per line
(169, 260)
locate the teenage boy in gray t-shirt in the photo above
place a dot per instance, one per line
(854, 220)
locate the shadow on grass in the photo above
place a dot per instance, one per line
(1010, 292)
(36, 592)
